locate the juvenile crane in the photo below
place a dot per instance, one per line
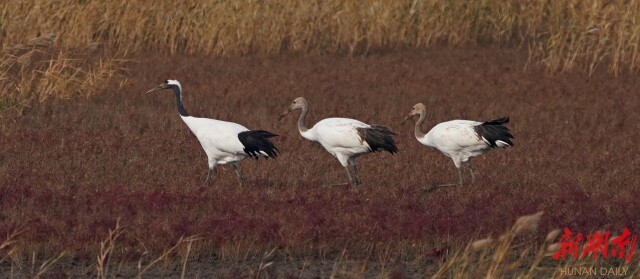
(461, 140)
(344, 138)
(223, 142)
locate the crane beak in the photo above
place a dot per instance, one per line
(406, 118)
(284, 114)
(159, 87)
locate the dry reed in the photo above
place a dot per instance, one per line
(37, 71)
(562, 34)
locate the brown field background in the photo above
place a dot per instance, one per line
(71, 169)
(85, 152)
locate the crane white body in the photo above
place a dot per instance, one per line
(218, 138)
(456, 139)
(339, 136)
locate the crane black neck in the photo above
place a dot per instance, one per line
(178, 93)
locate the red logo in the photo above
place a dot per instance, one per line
(621, 247)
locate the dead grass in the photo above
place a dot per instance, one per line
(37, 71)
(562, 35)
(512, 255)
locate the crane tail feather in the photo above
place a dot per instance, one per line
(257, 144)
(379, 138)
(494, 133)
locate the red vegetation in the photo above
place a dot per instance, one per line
(69, 170)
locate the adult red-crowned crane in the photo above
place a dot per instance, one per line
(344, 138)
(224, 142)
(461, 140)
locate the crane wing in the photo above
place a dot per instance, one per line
(340, 132)
(494, 133)
(216, 135)
(455, 134)
(257, 143)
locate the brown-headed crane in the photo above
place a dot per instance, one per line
(461, 140)
(345, 138)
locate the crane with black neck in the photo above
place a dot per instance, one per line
(223, 142)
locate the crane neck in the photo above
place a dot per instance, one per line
(418, 130)
(302, 119)
(178, 93)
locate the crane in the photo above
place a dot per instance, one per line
(223, 142)
(346, 139)
(461, 140)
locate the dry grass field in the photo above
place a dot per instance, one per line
(98, 179)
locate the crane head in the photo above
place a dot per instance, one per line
(298, 103)
(166, 85)
(417, 109)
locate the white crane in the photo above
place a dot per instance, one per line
(224, 142)
(462, 139)
(344, 138)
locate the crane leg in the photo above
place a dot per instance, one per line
(238, 173)
(206, 181)
(351, 181)
(356, 172)
(473, 175)
(429, 189)
(212, 166)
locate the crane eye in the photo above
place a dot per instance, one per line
(166, 81)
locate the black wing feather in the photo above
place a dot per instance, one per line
(379, 138)
(495, 130)
(256, 141)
